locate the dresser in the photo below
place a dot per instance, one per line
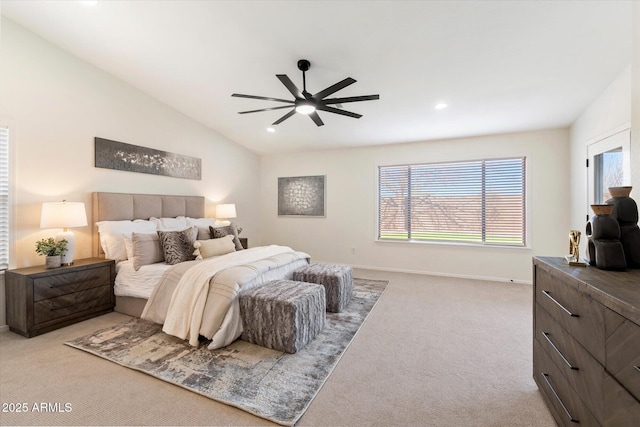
(586, 345)
(40, 300)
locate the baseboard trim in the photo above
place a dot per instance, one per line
(4, 328)
(440, 274)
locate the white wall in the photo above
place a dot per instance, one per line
(55, 104)
(351, 206)
(635, 102)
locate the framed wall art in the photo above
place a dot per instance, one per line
(301, 196)
(134, 158)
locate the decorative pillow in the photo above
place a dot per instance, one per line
(112, 235)
(145, 248)
(170, 224)
(214, 247)
(218, 232)
(177, 246)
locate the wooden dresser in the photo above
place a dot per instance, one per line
(586, 345)
(40, 300)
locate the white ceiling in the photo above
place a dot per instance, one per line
(501, 66)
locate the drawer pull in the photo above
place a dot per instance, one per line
(546, 379)
(548, 294)
(546, 335)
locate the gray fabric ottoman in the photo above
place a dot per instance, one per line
(337, 280)
(283, 315)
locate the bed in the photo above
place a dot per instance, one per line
(207, 289)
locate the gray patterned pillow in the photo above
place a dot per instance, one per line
(178, 245)
(218, 232)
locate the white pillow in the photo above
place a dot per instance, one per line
(112, 235)
(203, 225)
(214, 247)
(170, 224)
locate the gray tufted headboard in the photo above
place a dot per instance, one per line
(126, 206)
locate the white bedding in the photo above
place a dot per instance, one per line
(201, 298)
(138, 284)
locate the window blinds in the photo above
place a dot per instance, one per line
(4, 198)
(481, 202)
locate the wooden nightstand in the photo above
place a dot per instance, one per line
(40, 300)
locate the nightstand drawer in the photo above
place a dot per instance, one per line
(576, 312)
(623, 351)
(62, 284)
(74, 303)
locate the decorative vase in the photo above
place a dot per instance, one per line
(53, 261)
(625, 212)
(604, 249)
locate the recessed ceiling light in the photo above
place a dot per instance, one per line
(441, 106)
(271, 130)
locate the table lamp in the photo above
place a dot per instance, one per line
(64, 215)
(225, 212)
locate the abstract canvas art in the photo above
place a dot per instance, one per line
(134, 158)
(301, 196)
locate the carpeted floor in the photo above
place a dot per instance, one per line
(267, 383)
(434, 352)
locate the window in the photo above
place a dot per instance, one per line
(609, 166)
(479, 202)
(4, 198)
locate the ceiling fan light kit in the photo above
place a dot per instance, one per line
(307, 103)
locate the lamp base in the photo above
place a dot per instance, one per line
(67, 258)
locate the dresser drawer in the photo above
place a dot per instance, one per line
(71, 304)
(583, 373)
(567, 405)
(62, 284)
(623, 351)
(576, 312)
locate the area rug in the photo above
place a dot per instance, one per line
(267, 383)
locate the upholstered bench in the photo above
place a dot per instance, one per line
(283, 315)
(337, 280)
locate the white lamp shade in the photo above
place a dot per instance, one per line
(226, 211)
(63, 215)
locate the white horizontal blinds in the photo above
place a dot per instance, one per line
(505, 202)
(4, 198)
(479, 202)
(446, 202)
(393, 187)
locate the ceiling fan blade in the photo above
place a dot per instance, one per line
(289, 84)
(337, 111)
(285, 117)
(264, 98)
(316, 118)
(265, 109)
(334, 88)
(350, 99)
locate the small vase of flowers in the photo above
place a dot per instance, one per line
(52, 250)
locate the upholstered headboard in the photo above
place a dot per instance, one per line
(126, 206)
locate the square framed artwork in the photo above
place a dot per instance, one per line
(301, 196)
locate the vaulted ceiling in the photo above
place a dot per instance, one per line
(499, 66)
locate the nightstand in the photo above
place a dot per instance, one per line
(40, 300)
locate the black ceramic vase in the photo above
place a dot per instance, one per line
(604, 248)
(625, 211)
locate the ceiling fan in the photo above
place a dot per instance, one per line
(306, 103)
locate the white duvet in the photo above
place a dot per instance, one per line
(204, 299)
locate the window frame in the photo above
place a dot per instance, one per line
(525, 208)
(9, 197)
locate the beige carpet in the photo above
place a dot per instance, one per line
(434, 352)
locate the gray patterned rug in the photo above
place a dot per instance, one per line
(270, 384)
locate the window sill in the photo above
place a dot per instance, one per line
(458, 244)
